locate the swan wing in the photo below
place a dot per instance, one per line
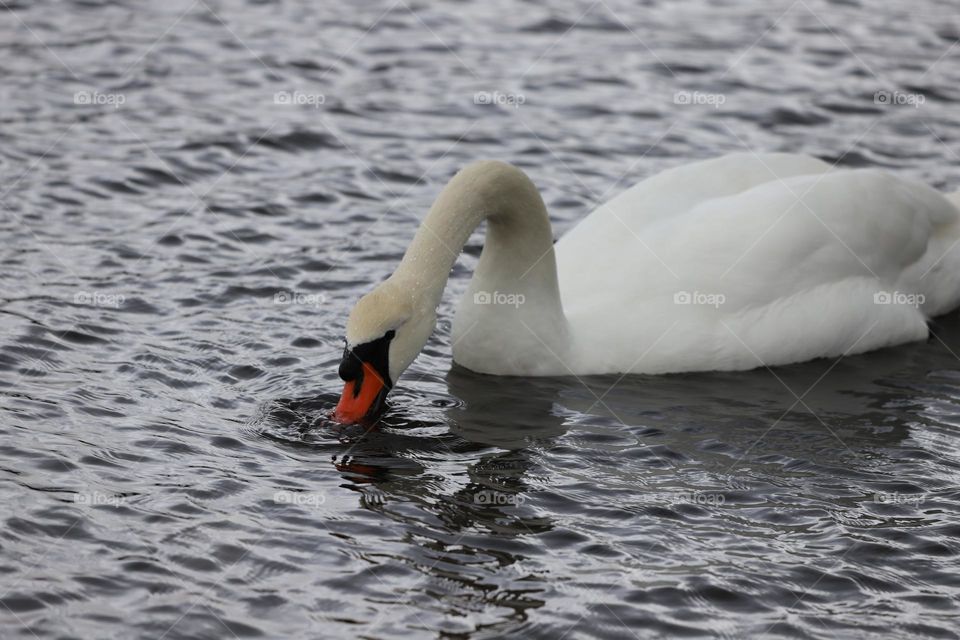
(802, 256)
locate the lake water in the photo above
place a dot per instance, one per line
(195, 193)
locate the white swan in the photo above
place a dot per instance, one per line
(741, 261)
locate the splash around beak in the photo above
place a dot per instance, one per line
(362, 397)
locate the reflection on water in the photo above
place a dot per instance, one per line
(518, 492)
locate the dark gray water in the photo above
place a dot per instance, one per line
(167, 468)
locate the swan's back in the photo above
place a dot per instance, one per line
(748, 260)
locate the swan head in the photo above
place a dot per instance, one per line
(386, 331)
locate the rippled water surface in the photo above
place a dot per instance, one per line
(194, 194)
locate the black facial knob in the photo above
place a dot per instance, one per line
(351, 367)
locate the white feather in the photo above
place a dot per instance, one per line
(737, 262)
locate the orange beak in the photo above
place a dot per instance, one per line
(360, 397)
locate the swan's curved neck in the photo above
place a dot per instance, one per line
(518, 241)
(515, 282)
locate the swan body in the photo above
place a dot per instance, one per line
(731, 263)
(782, 259)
